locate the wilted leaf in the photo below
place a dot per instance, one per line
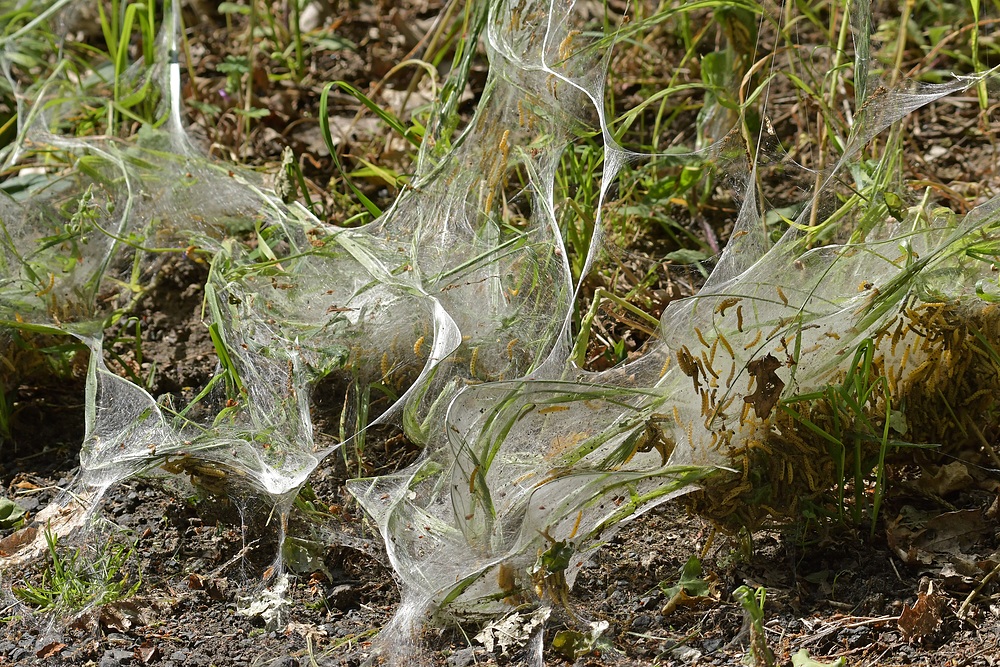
(767, 385)
(690, 580)
(923, 618)
(50, 650)
(121, 616)
(147, 653)
(572, 644)
(946, 479)
(953, 531)
(690, 589)
(919, 540)
(60, 520)
(512, 630)
(16, 541)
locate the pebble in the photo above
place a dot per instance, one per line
(115, 657)
(686, 654)
(462, 657)
(343, 597)
(646, 603)
(641, 622)
(284, 662)
(712, 645)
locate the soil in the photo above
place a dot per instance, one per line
(921, 588)
(837, 595)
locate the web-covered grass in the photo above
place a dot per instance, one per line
(828, 338)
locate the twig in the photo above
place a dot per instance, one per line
(239, 554)
(987, 446)
(834, 627)
(967, 659)
(964, 609)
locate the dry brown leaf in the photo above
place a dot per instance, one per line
(767, 385)
(15, 541)
(147, 653)
(121, 616)
(682, 599)
(923, 618)
(58, 519)
(919, 540)
(953, 532)
(196, 582)
(50, 650)
(993, 513)
(946, 479)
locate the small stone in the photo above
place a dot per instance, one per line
(285, 662)
(712, 645)
(646, 603)
(641, 623)
(462, 657)
(343, 597)
(686, 654)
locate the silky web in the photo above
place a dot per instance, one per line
(451, 315)
(526, 476)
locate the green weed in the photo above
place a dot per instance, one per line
(852, 405)
(75, 579)
(758, 653)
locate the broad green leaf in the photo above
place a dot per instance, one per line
(687, 256)
(10, 513)
(690, 581)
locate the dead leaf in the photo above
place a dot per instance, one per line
(216, 588)
(60, 520)
(767, 385)
(121, 616)
(953, 532)
(993, 513)
(946, 479)
(692, 589)
(147, 653)
(14, 542)
(513, 630)
(959, 575)
(923, 618)
(682, 599)
(922, 539)
(50, 650)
